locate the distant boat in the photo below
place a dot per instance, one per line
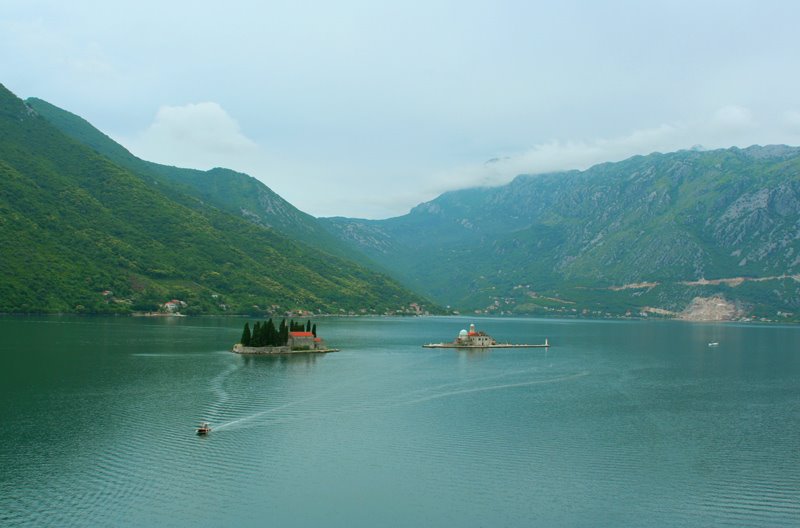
(204, 429)
(713, 344)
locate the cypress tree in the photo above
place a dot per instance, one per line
(245, 341)
(308, 325)
(314, 329)
(283, 333)
(258, 335)
(264, 334)
(271, 334)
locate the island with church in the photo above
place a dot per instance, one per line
(476, 339)
(288, 338)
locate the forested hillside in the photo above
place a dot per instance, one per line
(81, 233)
(231, 191)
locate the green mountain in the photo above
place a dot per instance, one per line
(82, 232)
(228, 190)
(650, 234)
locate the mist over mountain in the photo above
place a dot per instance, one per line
(662, 234)
(645, 235)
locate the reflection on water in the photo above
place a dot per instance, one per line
(620, 423)
(282, 359)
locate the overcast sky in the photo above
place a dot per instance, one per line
(368, 108)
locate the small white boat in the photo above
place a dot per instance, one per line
(204, 429)
(713, 344)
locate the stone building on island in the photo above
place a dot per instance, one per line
(305, 341)
(474, 338)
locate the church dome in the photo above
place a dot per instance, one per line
(462, 333)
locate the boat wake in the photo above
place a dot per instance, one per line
(218, 388)
(266, 411)
(493, 388)
(252, 419)
(463, 382)
(363, 394)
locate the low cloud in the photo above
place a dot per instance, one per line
(556, 156)
(204, 135)
(200, 136)
(728, 126)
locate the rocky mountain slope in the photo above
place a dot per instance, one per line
(633, 236)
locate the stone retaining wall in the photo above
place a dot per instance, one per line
(239, 349)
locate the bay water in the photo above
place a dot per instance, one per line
(619, 423)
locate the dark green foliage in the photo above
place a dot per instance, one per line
(314, 329)
(246, 335)
(271, 336)
(265, 334)
(227, 190)
(283, 332)
(75, 224)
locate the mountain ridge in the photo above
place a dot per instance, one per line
(669, 218)
(81, 233)
(648, 234)
(232, 191)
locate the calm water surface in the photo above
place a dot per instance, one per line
(618, 424)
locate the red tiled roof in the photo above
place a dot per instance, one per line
(301, 334)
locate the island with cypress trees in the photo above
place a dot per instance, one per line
(288, 338)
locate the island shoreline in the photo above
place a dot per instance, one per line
(238, 348)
